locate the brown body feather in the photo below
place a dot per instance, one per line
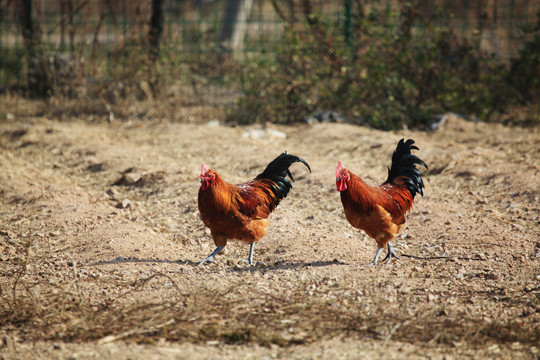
(379, 211)
(241, 211)
(236, 211)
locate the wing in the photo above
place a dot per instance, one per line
(254, 199)
(396, 200)
(363, 199)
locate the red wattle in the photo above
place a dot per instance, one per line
(205, 184)
(341, 185)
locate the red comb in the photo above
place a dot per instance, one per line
(204, 169)
(339, 169)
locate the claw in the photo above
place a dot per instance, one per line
(391, 254)
(210, 258)
(207, 260)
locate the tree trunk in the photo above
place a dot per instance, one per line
(38, 75)
(154, 40)
(27, 24)
(156, 29)
(234, 27)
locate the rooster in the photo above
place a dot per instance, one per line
(380, 211)
(241, 211)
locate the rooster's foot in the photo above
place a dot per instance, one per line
(210, 258)
(376, 258)
(391, 254)
(245, 261)
(249, 260)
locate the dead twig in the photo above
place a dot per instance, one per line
(441, 257)
(138, 284)
(392, 331)
(111, 338)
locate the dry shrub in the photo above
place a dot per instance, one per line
(383, 67)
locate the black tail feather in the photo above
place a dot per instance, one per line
(403, 165)
(277, 172)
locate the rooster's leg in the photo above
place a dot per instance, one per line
(374, 262)
(250, 258)
(391, 254)
(210, 257)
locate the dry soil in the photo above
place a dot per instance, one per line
(100, 235)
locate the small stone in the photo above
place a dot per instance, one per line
(112, 192)
(124, 204)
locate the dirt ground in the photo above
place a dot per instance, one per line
(100, 235)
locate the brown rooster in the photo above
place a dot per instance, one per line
(380, 211)
(241, 211)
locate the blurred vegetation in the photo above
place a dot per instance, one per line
(524, 74)
(378, 66)
(387, 69)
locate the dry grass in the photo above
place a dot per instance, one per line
(81, 266)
